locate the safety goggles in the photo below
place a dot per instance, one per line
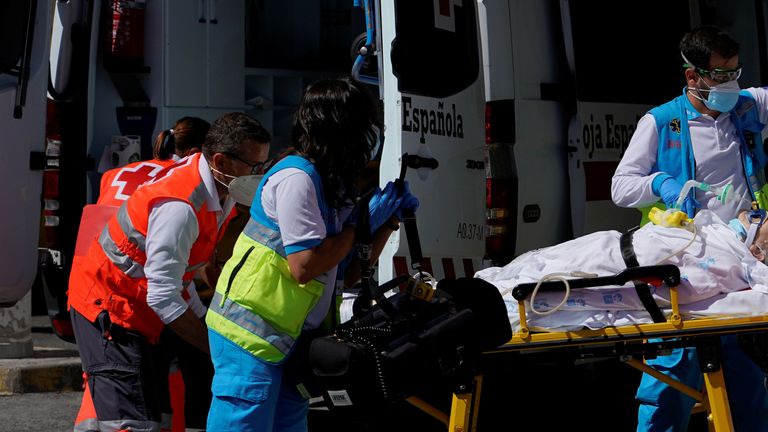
(717, 75)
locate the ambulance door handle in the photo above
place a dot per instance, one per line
(201, 11)
(212, 15)
(415, 161)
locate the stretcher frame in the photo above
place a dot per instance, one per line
(627, 343)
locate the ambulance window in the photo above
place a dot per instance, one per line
(628, 52)
(435, 40)
(13, 32)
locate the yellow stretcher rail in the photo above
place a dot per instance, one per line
(628, 344)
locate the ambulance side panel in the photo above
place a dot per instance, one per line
(21, 186)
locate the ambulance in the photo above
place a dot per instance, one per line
(509, 115)
(123, 71)
(520, 108)
(565, 83)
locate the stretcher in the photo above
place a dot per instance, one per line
(630, 344)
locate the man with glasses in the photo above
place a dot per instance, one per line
(711, 133)
(131, 283)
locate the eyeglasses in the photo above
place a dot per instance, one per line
(717, 74)
(256, 168)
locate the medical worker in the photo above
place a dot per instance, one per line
(184, 138)
(281, 276)
(133, 281)
(711, 133)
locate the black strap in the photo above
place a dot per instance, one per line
(642, 288)
(369, 289)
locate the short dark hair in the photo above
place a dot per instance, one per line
(230, 131)
(699, 44)
(334, 129)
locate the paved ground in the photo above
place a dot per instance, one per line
(36, 412)
(595, 396)
(41, 392)
(54, 365)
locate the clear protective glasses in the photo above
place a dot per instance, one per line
(717, 75)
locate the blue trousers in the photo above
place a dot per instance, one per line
(251, 395)
(663, 408)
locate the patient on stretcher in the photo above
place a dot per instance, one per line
(720, 275)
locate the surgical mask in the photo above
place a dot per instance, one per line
(243, 189)
(722, 97)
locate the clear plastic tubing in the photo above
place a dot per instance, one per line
(723, 194)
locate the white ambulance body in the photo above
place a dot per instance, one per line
(531, 101)
(432, 88)
(23, 83)
(573, 77)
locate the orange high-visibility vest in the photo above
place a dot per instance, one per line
(111, 276)
(119, 183)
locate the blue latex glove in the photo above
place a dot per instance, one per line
(382, 205)
(689, 206)
(409, 202)
(669, 189)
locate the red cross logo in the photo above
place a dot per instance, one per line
(129, 179)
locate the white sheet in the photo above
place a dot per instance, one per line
(716, 269)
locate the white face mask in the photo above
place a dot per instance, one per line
(243, 189)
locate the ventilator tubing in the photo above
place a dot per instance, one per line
(723, 194)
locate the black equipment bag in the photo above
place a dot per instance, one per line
(384, 357)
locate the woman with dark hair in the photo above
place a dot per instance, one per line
(183, 139)
(281, 277)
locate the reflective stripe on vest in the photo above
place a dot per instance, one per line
(134, 236)
(264, 235)
(258, 304)
(271, 239)
(118, 257)
(127, 265)
(251, 322)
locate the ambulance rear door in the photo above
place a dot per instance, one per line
(24, 45)
(433, 108)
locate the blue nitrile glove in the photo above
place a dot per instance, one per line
(690, 205)
(382, 205)
(409, 202)
(665, 186)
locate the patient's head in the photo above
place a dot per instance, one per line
(759, 246)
